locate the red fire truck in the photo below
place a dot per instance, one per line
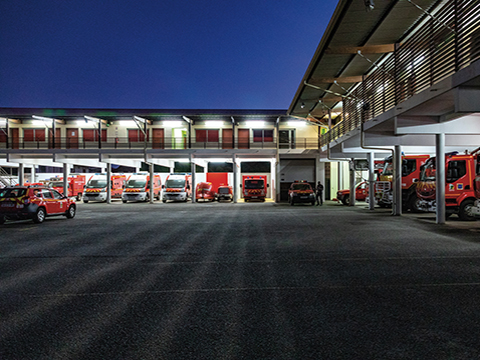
(204, 191)
(459, 189)
(254, 187)
(76, 185)
(411, 165)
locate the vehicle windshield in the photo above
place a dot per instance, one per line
(96, 183)
(428, 171)
(223, 190)
(12, 193)
(175, 183)
(55, 184)
(254, 184)
(408, 167)
(137, 183)
(302, 187)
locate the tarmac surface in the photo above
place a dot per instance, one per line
(239, 281)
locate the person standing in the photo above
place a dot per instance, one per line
(319, 193)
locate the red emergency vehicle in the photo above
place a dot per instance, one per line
(301, 192)
(254, 187)
(204, 191)
(96, 187)
(177, 187)
(137, 188)
(361, 193)
(459, 189)
(76, 185)
(411, 165)
(33, 202)
(225, 192)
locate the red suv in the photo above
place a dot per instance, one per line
(33, 202)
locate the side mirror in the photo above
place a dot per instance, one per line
(268, 185)
(240, 185)
(163, 186)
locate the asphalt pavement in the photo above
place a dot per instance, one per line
(239, 281)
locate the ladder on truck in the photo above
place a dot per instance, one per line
(5, 178)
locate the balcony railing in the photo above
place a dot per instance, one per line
(179, 143)
(436, 49)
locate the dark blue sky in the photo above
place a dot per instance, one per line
(203, 54)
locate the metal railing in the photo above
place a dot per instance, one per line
(122, 143)
(437, 48)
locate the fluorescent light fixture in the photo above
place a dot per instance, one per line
(296, 123)
(214, 123)
(89, 118)
(38, 123)
(142, 120)
(255, 124)
(42, 118)
(128, 123)
(174, 123)
(187, 119)
(183, 160)
(3, 121)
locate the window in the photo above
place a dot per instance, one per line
(456, 170)
(287, 139)
(408, 166)
(3, 135)
(262, 135)
(34, 134)
(47, 194)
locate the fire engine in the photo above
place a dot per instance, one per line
(476, 206)
(76, 185)
(96, 187)
(459, 189)
(204, 191)
(254, 187)
(411, 165)
(137, 187)
(177, 187)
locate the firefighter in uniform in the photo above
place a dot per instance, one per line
(319, 193)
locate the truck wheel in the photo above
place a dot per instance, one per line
(164, 201)
(70, 214)
(85, 201)
(346, 200)
(2, 220)
(465, 211)
(124, 201)
(40, 216)
(413, 204)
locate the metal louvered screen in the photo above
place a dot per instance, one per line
(434, 50)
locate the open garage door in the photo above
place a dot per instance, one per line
(295, 169)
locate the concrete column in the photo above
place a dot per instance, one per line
(320, 175)
(151, 183)
(371, 180)
(33, 175)
(235, 179)
(65, 179)
(352, 182)
(397, 181)
(339, 175)
(192, 162)
(440, 178)
(109, 184)
(21, 173)
(277, 179)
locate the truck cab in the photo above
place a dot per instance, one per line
(254, 188)
(137, 188)
(459, 189)
(177, 187)
(96, 187)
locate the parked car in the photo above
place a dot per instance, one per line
(361, 193)
(301, 192)
(34, 202)
(225, 192)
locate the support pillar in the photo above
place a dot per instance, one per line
(151, 184)
(109, 183)
(397, 181)
(21, 171)
(339, 175)
(371, 181)
(65, 179)
(192, 162)
(352, 182)
(33, 175)
(235, 179)
(440, 178)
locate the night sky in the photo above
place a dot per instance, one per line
(159, 54)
